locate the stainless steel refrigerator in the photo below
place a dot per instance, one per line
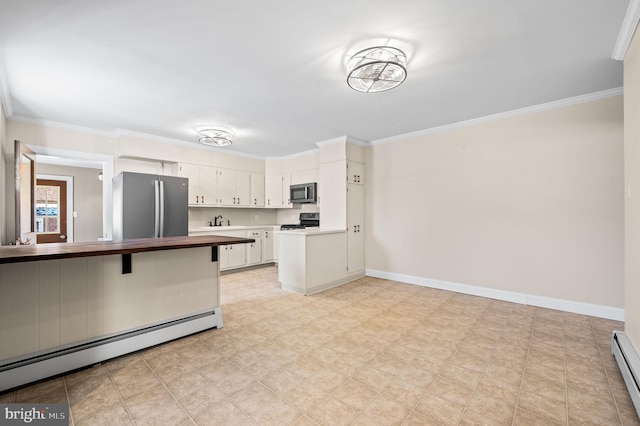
(149, 206)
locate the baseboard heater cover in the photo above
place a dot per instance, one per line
(52, 363)
(629, 364)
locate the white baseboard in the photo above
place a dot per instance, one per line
(322, 287)
(600, 311)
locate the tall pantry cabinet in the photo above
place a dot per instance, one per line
(341, 190)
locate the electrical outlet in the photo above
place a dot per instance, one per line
(75, 214)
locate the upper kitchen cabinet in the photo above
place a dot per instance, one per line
(202, 184)
(276, 191)
(355, 172)
(257, 190)
(142, 165)
(304, 176)
(234, 188)
(332, 193)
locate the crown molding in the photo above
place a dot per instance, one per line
(504, 115)
(147, 136)
(629, 25)
(340, 139)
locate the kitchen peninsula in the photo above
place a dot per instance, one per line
(69, 305)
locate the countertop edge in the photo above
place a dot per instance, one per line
(312, 231)
(16, 254)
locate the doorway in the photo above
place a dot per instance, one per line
(51, 211)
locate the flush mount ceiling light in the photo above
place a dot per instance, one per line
(215, 137)
(377, 69)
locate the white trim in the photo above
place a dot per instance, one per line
(590, 309)
(69, 181)
(345, 138)
(628, 28)
(147, 136)
(504, 115)
(322, 287)
(106, 162)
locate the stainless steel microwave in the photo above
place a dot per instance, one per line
(303, 193)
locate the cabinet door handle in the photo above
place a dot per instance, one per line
(203, 199)
(238, 200)
(255, 201)
(197, 199)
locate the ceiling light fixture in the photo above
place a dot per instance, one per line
(215, 137)
(377, 69)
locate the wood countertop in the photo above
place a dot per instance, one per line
(29, 253)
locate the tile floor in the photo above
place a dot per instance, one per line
(372, 352)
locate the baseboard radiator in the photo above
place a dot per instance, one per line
(629, 364)
(39, 366)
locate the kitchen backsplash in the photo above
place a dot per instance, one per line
(200, 216)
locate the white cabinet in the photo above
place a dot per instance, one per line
(277, 191)
(232, 256)
(242, 255)
(202, 183)
(342, 197)
(355, 172)
(255, 248)
(273, 191)
(355, 227)
(257, 190)
(268, 245)
(286, 183)
(332, 190)
(234, 187)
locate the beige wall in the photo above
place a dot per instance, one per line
(632, 179)
(3, 166)
(87, 199)
(531, 204)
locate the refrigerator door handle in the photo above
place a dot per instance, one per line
(156, 221)
(161, 233)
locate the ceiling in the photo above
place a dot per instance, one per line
(275, 72)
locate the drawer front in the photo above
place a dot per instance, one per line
(254, 233)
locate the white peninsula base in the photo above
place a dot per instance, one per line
(313, 260)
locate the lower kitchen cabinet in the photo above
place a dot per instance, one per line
(255, 248)
(355, 227)
(268, 245)
(232, 256)
(242, 255)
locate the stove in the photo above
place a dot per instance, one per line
(291, 226)
(306, 220)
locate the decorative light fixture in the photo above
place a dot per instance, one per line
(377, 69)
(215, 137)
